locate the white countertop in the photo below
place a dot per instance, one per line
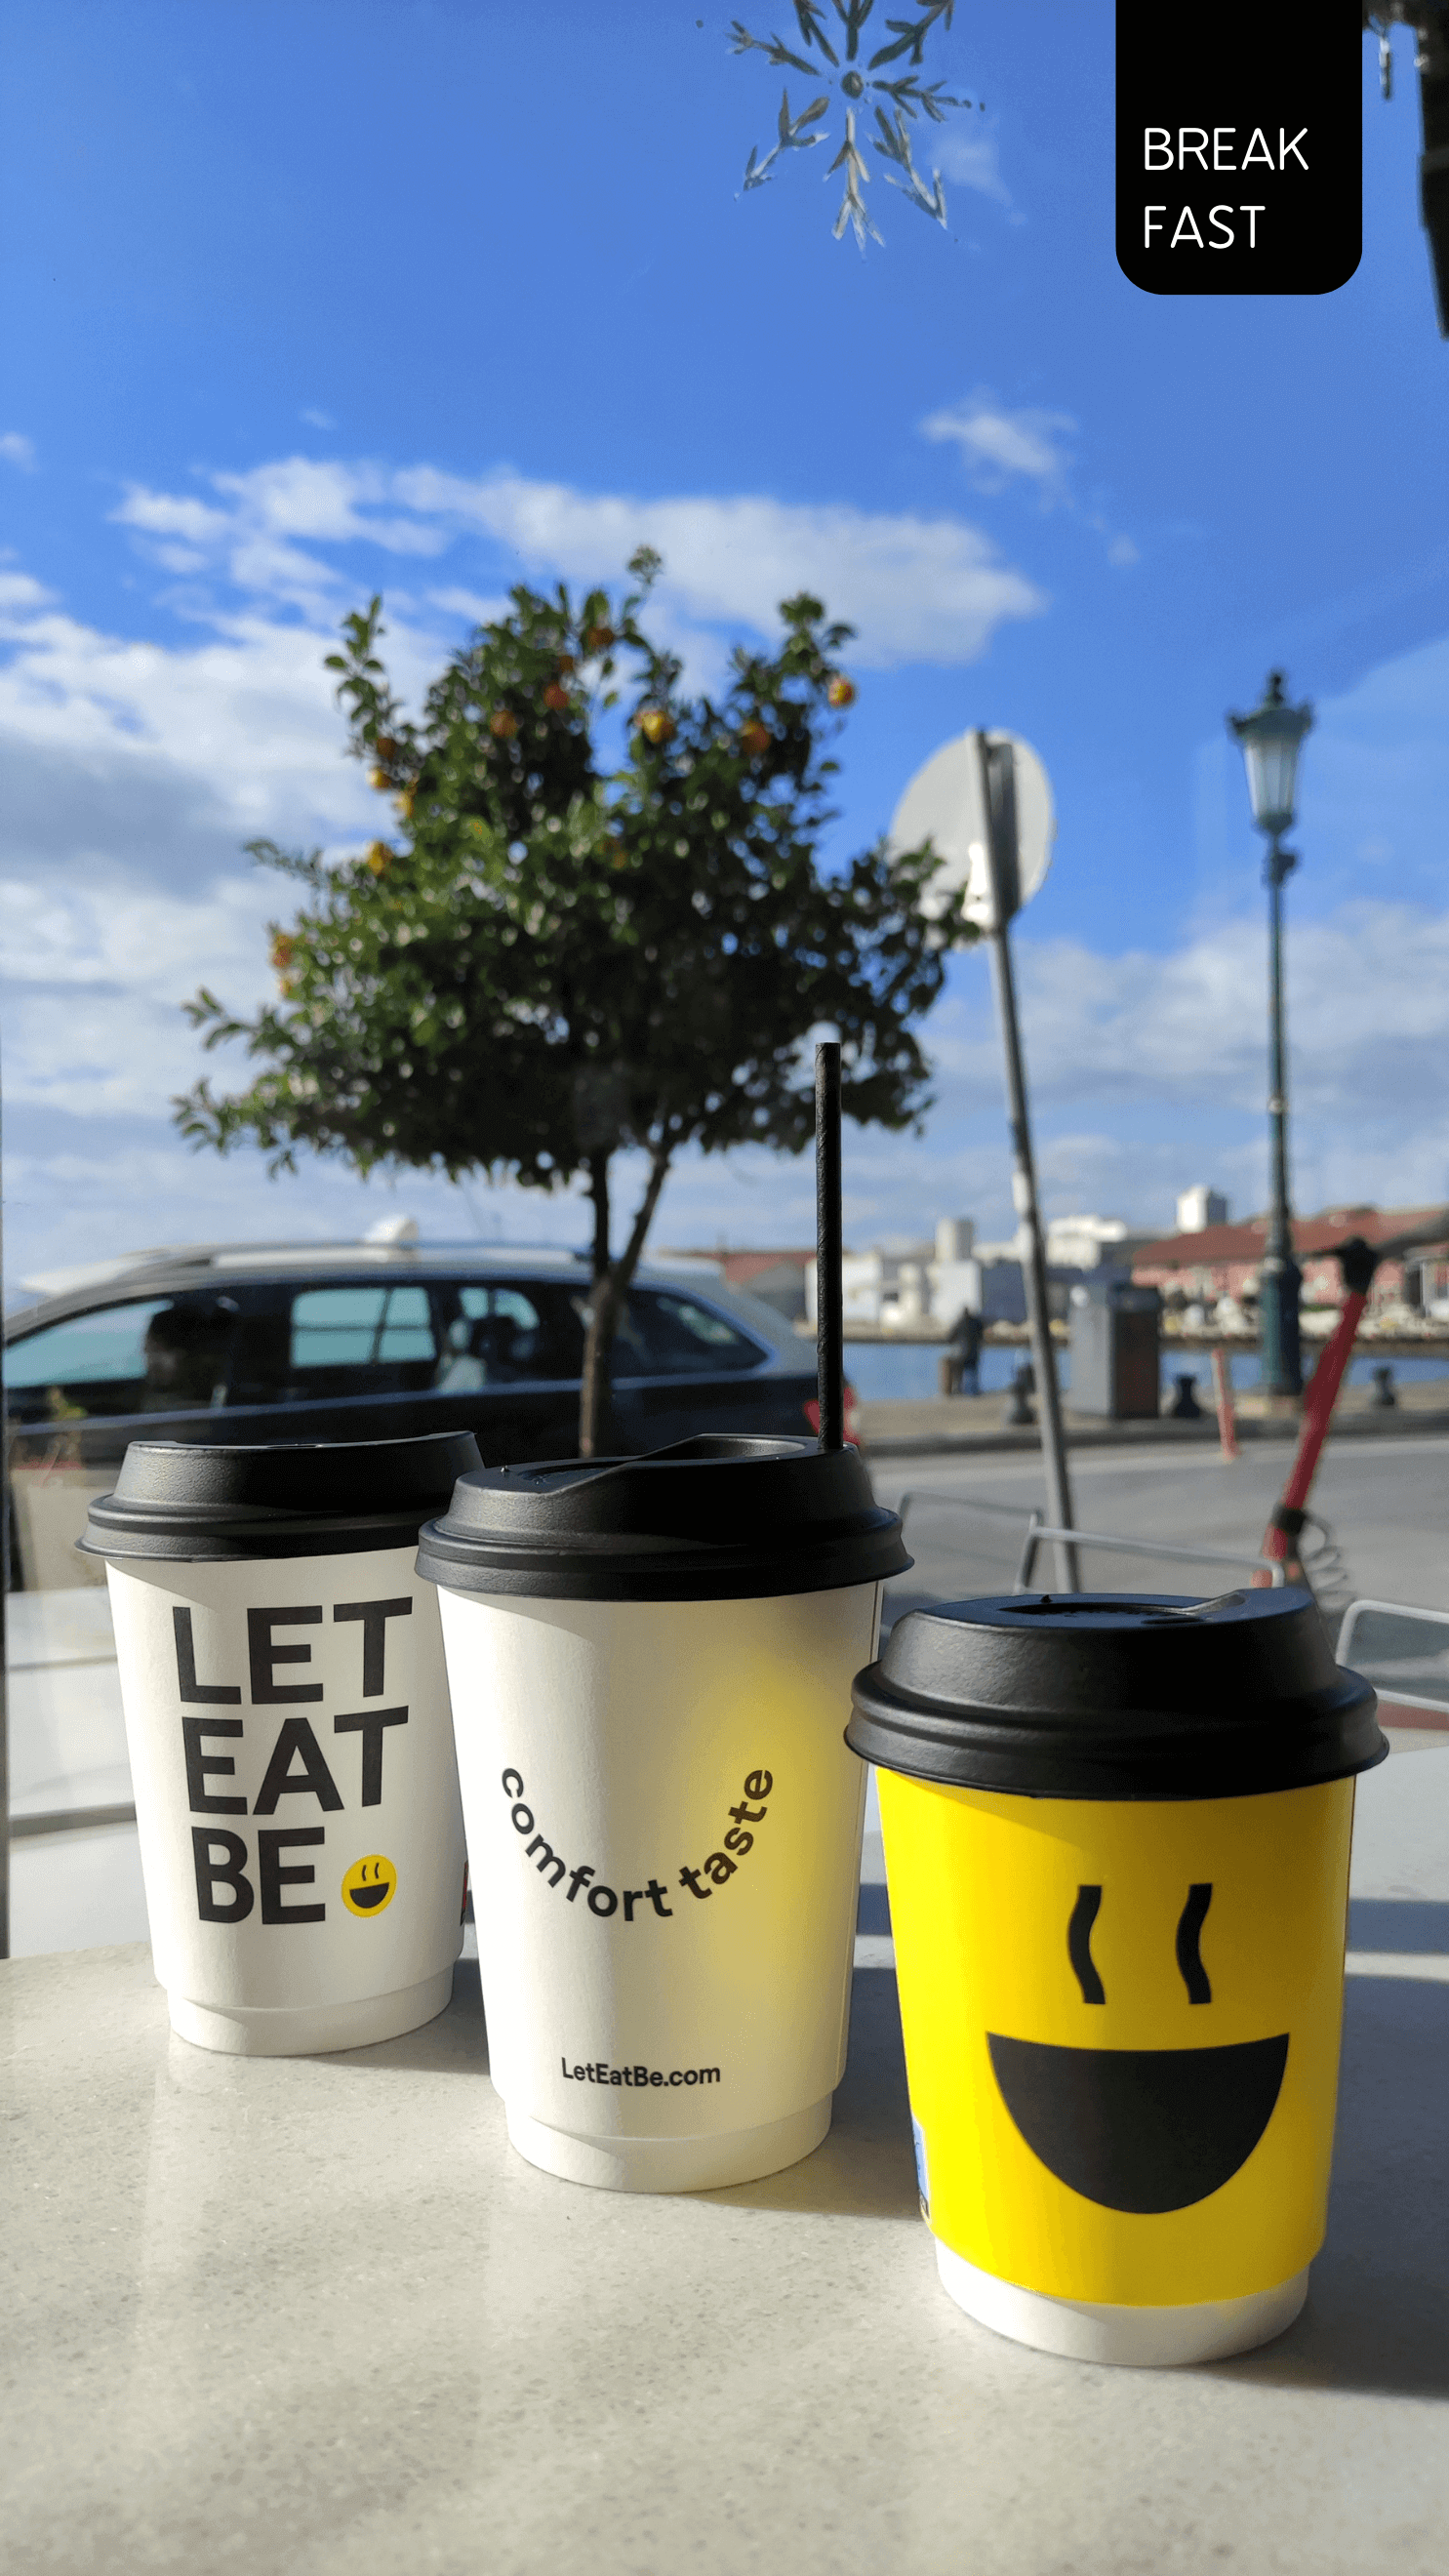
(316, 2315)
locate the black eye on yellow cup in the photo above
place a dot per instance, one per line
(1117, 1842)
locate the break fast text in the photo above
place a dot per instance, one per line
(717, 1866)
(297, 1765)
(1212, 149)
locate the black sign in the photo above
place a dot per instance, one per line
(1240, 147)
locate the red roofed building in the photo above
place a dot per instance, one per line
(1223, 1260)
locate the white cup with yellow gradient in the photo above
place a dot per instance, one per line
(1117, 1845)
(650, 1661)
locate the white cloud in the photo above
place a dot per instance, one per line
(916, 589)
(319, 419)
(475, 605)
(972, 162)
(242, 727)
(98, 968)
(170, 514)
(18, 592)
(997, 444)
(1367, 1006)
(18, 450)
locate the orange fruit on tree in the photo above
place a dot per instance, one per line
(282, 948)
(598, 638)
(379, 779)
(379, 858)
(755, 737)
(386, 747)
(567, 663)
(655, 725)
(502, 725)
(841, 692)
(555, 697)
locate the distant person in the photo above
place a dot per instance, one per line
(965, 1349)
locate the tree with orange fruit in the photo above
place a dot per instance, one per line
(548, 962)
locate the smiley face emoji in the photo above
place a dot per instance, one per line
(370, 1885)
(1142, 2129)
(1121, 2024)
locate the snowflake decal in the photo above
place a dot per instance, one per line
(895, 97)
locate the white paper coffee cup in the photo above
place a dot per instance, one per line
(663, 1817)
(290, 1739)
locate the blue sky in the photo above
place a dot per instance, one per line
(326, 297)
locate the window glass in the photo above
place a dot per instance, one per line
(363, 1328)
(166, 1354)
(477, 1302)
(335, 1327)
(497, 1337)
(407, 1330)
(108, 1346)
(666, 1333)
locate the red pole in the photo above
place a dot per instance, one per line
(1285, 1522)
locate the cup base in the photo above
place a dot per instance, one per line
(671, 2164)
(1133, 2338)
(308, 2030)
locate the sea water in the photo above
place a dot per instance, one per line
(878, 1370)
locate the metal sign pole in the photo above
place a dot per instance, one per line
(4, 1674)
(1000, 814)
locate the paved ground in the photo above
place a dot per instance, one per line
(923, 1422)
(1387, 1502)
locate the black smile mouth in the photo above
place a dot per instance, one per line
(1141, 2129)
(365, 1898)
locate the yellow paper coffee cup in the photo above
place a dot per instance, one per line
(1117, 1843)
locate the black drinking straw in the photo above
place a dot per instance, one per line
(829, 1319)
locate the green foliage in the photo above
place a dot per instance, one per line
(544, 963)
(540, 943)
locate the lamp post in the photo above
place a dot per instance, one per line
(1270, 737)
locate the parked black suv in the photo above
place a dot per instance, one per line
(361, 1342)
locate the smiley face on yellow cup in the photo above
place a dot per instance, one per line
(1121, 2003)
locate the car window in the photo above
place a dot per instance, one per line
(160, 1354)
(666, 1333)
(360, 1327)
(498, 1336)
(299, 1345)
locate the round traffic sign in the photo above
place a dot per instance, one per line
(943, 805)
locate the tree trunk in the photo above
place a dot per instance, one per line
(609, 1287)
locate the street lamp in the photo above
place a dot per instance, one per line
(1270, 737)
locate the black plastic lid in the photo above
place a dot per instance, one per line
(208, 1505)
(709, 1519)
(1115, 1695)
